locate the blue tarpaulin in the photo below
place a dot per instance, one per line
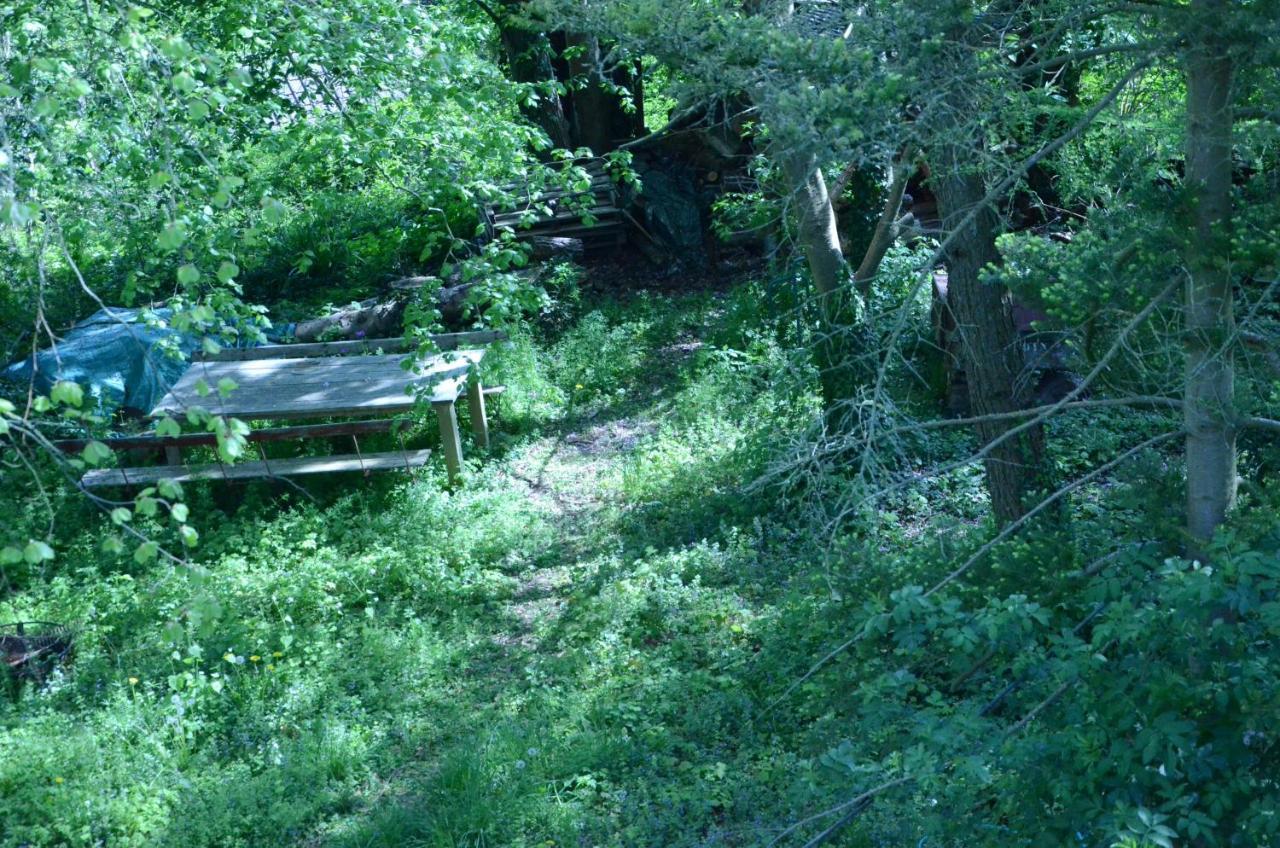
(121, 357)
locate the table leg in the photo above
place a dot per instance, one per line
(479, 419)
(448, 415)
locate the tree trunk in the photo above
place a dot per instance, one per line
(528, 54)
(820, 239)
(992, 351)
(1209, 397)
(887, 227)
(599, 120)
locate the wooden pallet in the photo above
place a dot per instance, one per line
(528, 221)
(366, 463)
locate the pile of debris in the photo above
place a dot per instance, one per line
(594, 216)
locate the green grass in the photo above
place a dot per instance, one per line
(581, 646)
(554, 654)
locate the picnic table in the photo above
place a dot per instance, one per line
(297, 382)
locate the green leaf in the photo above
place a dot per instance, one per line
(121, 515)
(226, 386)
(36, 552)
(273, 211)
(172, 236)
(9, 555)
(67, 393)
(95, 453)
(202, 387)
(189, 535)
(170, 489)
(197, 110)
(147, 506)
(17, 213)
(113, 544)
(227, 272)
(179, 512)
(188, 274)
(168, 427)
(146, 552)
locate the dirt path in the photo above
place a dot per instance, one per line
(567, 477)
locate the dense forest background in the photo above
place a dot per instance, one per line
(887, 453)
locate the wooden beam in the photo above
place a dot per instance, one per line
(447, 412)
(475, 405)
(444, 341)
(255, 470)
(275, 434)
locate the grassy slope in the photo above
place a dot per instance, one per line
(578, 647)
(567, 651)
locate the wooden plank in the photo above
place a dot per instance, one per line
(533, 217)
(290, 388)
(447, 412)
(444, 341)
(479, 418)
(295, 370)
(275, 434)
(255, 470)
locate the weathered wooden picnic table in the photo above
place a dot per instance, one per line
(295, 382)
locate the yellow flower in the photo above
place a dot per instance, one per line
(277, 654)
(254, 658)
(133, 681)
(579, 386)
(57, 780)
(229, 657)
(270, 667)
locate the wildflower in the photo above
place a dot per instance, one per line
(58, 780)
(579, 386)
(271, 667)
(133, 681)
(254, 658)
(229, 657)
(277, 654)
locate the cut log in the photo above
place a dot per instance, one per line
(370, 318)
(556, 247)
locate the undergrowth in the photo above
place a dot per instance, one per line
(606, 637)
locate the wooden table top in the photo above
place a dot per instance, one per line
(318, 387)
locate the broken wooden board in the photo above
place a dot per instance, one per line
(255, 470)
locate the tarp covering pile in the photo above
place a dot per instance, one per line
(121, 357)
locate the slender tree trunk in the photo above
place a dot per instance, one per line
(992, 351)
(887, 227)
(1210, 368)
(820, 239)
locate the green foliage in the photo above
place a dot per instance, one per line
(595, 640)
